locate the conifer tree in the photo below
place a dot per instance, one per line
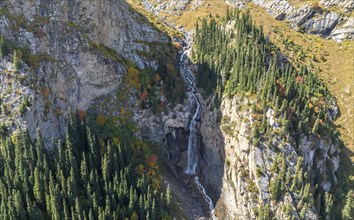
(16, 60)
(348, 210)
(328, 205)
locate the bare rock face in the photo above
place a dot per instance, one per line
(312, 19)
(346, 4)
(323, 24)
(83, 45)
(158, 6)
(346, 31)
(246, 165)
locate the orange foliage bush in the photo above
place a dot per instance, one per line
(170, 68)
(39, 32)
(152, 160)
(58, 112)
(82, 115)
(143, 95)
(177, 45)
(162, 104)
(299, 79)
(282, 90)
(45, 92)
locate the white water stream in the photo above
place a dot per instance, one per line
(192, 140)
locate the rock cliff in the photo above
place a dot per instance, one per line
(327, 18)
(248, 167)
(79, 51)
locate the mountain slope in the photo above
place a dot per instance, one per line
(75, 53)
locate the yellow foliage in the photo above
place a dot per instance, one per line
(133, 75)
(315, 5)
(310, 105)
(316, 109)
(156, 184)
(157, 78)
(122, 111)
(116, 141)
(101, 120)
(140, 169)
(151, 172)
(134, 216)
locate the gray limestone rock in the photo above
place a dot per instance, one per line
(85, 44)
(320, 20)
(323, 25)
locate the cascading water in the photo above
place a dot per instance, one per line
(192, 140)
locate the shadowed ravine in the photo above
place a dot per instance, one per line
(192, 140)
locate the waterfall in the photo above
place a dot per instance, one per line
(192, 140)
(206, 198)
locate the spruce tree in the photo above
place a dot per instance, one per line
(328, 205)
(16, 60)
(348, 210)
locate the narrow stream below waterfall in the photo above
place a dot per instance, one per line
(192, 152)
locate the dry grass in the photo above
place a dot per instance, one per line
(297, 3)
(189, 18)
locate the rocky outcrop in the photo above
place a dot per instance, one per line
(314, 18)
(163, 8)
(346, 4)
(81, 47)
(322, 25)
(246, 164)
(346, 31)
(158, 6)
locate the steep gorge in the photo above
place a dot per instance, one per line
(239, 169)
(234, 169)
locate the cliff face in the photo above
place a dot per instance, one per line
(321, 18)
(248, 167)
(79, 49)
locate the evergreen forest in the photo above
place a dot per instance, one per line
(88, 176)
